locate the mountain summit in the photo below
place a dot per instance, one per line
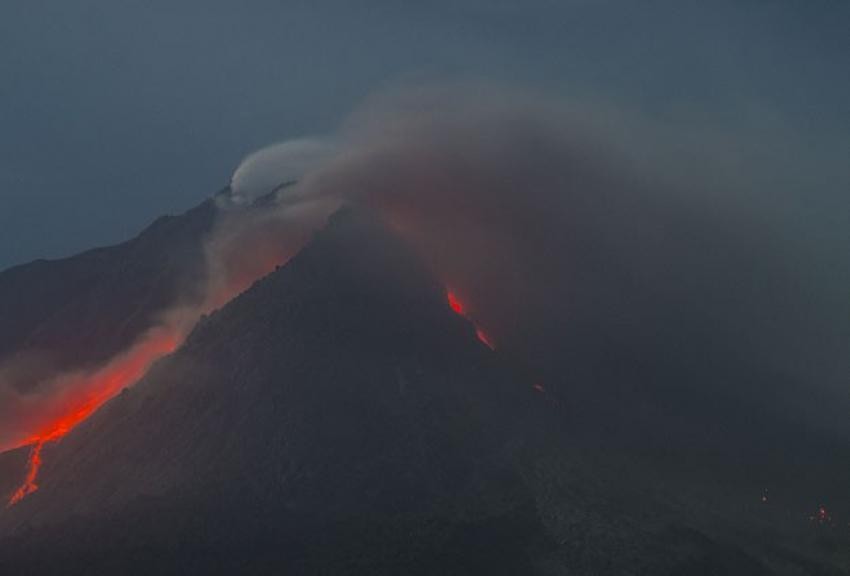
(339, 413)
(343, 416)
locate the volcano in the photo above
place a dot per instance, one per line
(343, 415)
(340, 396)
(82, 310)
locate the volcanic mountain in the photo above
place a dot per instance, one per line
(81, 310)
(341, 416)
(339, 396)
(73, 315)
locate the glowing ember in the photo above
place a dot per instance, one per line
(455, 304)
(29, 486)
(458, 307)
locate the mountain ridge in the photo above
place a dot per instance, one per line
(382, 423)
(80, 310)
(340, 416)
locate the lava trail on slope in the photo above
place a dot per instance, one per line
(459, 308)
(98, 388)
(241, 249)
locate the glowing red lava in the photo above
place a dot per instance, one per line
(91, 391)
(455, 304)
(458, 307)
(86, 392)
(29, 486)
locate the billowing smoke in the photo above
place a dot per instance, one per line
(598, 267)
(263, 171)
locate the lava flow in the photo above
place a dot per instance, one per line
(33, 464)
(86, 392)
(90, 392)
(458, 307)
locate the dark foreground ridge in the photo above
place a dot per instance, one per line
(340, 418)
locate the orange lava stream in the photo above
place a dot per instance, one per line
(86, 392)
(97, 388)
(33, 464)
(456, 305)
(79, 395)
(92, 390)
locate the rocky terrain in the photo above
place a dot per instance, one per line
(340, 417)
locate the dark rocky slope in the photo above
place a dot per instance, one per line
(81, 310)
(338, 417)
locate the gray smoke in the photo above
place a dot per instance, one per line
(585, 242)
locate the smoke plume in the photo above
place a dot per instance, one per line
(601, 265)
(598, 264)
(265, 169)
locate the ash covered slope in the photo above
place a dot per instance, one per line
(338, 417)
(322, 351)
(339, 398)
(81, 310)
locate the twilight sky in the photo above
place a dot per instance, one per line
(116, 111)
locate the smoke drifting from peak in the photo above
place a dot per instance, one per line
(601, 269)
(602, 266)
(264, 170)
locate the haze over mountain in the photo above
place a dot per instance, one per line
(528, 345)
(497, 287)
(83, 309)
(117, 112)
(339, 416)
(73, 315)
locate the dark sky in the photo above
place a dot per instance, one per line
(116, 111)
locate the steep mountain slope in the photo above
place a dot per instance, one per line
(82, 310)
(67, 317)
(12, 471)
(339, 388)
(339, 417)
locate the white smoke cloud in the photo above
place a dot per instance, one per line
(266, 169)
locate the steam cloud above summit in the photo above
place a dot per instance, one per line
(267, 168)
(579, 250)
(577, 237)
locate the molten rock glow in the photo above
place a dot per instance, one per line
(239, 253)
(88, 392)
(29, 486)
(458, 307)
